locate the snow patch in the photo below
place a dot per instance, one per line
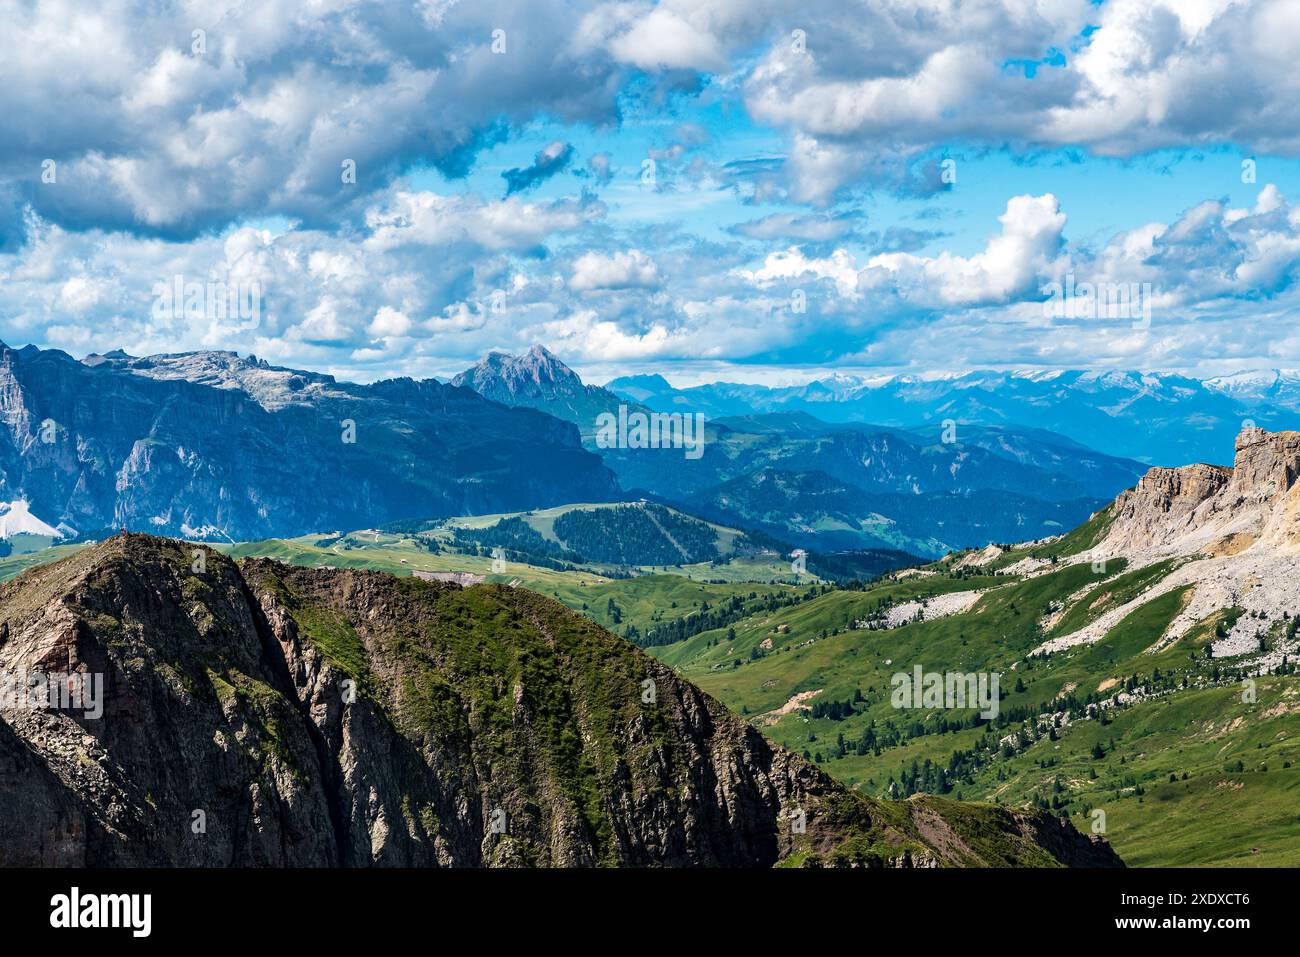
(16, 519)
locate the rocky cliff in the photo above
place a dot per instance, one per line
(218, 446)
(1214, 508)
(266, 715)
(1226, 538)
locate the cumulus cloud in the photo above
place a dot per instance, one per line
(421, 263)
(431, 281)
(867, 90)
(632, 269)
(1008, 267)
(388, 322)
(169, 151)
(171, 119)
(666, 36)
(427, 218)
(1216, 280)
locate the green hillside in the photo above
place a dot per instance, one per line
(629, 606)
(1163, 768)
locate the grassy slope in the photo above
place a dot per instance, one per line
(14, 565)
(641, 601)
(542, 521)
(1198, 731)
(661, 593)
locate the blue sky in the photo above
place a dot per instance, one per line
(836, 185)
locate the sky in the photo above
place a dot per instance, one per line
(749, 190)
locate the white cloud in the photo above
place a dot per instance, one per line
(584, 334)
(425, 218)
(1009, 267)
(151, 133)
(80, 293)
(322, 324)
(389, 322)
(840, 267)
(874, 87)
(419, 292)
(664, 39)
(632, 269)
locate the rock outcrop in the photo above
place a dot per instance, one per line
(1180, 511)
(1234, 534)
(259, 714)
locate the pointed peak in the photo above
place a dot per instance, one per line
(538, 364)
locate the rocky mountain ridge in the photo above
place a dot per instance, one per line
(1226, 538)
(259, 714)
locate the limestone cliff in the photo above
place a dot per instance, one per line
(1214, 508)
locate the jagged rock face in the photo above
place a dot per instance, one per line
(193, 719)
(1267, 464)
(536, 373)
(1254, 504)
(343, 718)
(212, 445)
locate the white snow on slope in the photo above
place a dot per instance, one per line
(16, 519)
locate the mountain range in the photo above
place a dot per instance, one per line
(1156, 418)
(221, 447)
(214, 445)
(923, 489)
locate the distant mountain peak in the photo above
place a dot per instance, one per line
(644, 379)
(502, 371)
(538, 380)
